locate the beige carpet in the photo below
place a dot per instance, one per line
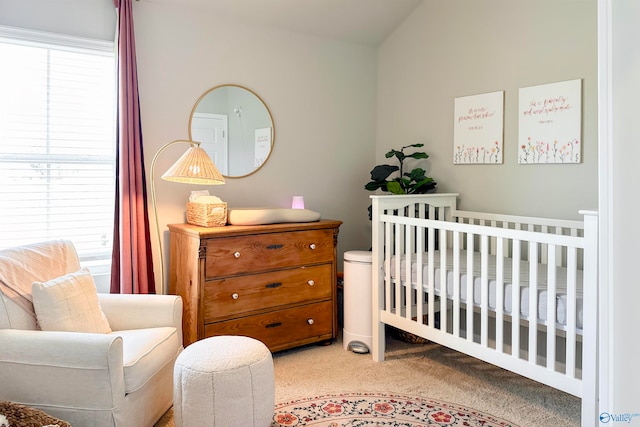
(421, 370)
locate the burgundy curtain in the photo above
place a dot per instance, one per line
(132, 262)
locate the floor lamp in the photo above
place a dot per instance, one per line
(193, 167)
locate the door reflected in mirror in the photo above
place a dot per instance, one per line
(235, 128)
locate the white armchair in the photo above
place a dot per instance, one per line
(122, 378)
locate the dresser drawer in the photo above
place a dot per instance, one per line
(261, 252)
(236, 296)
(280, 329)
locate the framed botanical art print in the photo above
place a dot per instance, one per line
(478, 129)
(550, 123)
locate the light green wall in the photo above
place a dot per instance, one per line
(320, 92)
(449, 49)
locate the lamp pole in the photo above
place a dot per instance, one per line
(155, 208)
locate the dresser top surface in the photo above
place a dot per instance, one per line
(235, 230)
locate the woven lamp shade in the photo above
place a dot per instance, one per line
(194, 167)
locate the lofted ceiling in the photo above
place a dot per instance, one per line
(367, 22)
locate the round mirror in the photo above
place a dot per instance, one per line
(235, 128)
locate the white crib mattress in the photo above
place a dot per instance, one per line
(561, 284)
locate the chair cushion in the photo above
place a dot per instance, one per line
(69, 303)
(145, 352)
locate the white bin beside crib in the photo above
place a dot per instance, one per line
(357, 331)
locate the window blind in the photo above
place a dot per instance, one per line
(57, 143)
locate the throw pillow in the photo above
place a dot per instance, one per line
(69, 303)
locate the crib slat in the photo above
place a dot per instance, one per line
(551, 308)
(456, 283)
(492, 247)
(421, 210)
(443, 281)
(533, 302)
(484, 290)
(506, 243)
(410, 238)
(408, 281)
(500, 295)
(469, 301)
(419, 274)
(515, 300)
(398, 252)
(559, 254)
(544, 258)
(431, 247)
(387, 268)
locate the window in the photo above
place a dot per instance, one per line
(57, 143)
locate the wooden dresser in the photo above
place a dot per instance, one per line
(276, 282)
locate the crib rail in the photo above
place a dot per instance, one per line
(513, 222)
(509, 290)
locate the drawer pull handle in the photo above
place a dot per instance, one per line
(311, 282)
(273, 325)
(312, 246)
(278, 246)
(273, 285)
(237, 254)
(235, 296)
(310, 321)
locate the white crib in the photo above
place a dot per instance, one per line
(517, 292)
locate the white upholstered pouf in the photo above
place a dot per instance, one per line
(224, 381)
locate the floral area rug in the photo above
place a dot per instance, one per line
(378, 410)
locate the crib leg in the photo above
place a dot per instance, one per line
(378, 342)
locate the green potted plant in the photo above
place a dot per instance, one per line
(414, 182)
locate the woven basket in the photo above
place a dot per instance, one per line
(207, 214)
(410, 338)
